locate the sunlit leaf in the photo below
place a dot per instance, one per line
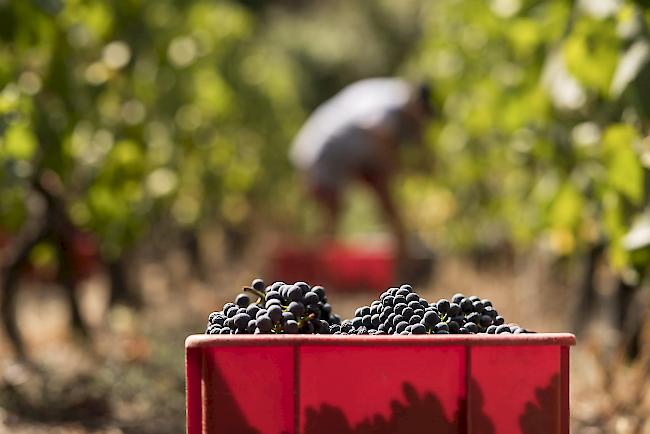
(591, 53)
(19, 142)
(567, 207)
(624, 169)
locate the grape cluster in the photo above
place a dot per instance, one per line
(290, 309)
(280, 309)
(402, 311)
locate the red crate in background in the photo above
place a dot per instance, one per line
(477, 384)
(347, 267)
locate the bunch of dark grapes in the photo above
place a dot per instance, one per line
(401, 311)
(279, 308)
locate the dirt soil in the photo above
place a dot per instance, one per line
(130, 379)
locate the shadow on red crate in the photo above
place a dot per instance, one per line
(409, 414)
(329, 385)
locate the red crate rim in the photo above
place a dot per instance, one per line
(203, 340)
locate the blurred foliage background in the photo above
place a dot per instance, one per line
(182, 112)
(127, 124)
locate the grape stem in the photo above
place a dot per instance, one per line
(260, 294)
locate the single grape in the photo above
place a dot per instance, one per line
(258, 285)
(399, 299)
(430, 318)
(442, 326)
(252, 310)
(502, 329)
(489, 311)
(264, 323)
(412, 297)
(310, 298)
(319, 290)
(418, 329)
(324, 328)
(296, 308)
(415, 305)
(241, 321)
(275, 313)
(401, 327)
(397, 319)
(274, 302)
(457, 298)
(443, 306)
(485, 321)
(453, 327)
(291, 327)
(466, 305)
(294, 293)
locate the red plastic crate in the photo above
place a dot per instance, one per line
(308, 384)
(347, 267)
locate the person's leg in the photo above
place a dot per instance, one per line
(380, 184)
(329, 199)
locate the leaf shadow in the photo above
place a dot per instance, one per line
(544, 412)
(420, 412)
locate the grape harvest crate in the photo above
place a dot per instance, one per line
(345, 267)
(315, 384)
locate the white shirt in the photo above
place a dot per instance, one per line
(359, 106)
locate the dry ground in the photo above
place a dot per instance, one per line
(130, 379)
